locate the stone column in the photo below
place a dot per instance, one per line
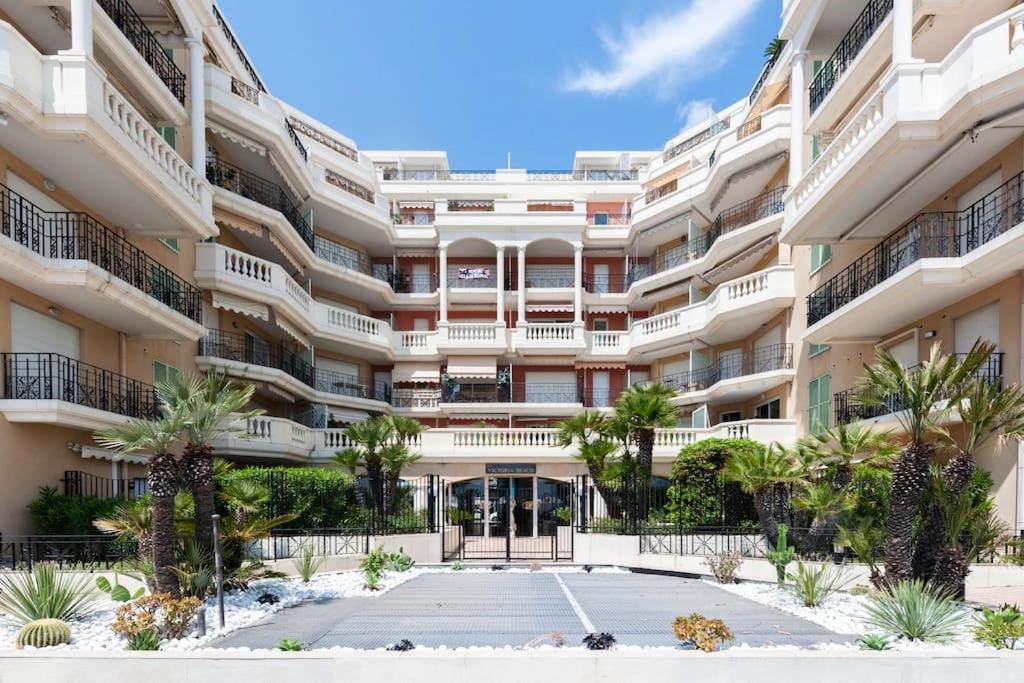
(902, 31)
(577, 254)
(197, 104)
(797, 107)
(500, 304)
(521, 285)
(81, 26)
(442, 285)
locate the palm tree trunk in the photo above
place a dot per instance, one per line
(645, 451)
(951, 569)
(197, 473)
(909, 481)
(375, 480)
(931, 539)
(163, 484)
(765, 513)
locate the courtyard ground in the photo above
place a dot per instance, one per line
(509, 609)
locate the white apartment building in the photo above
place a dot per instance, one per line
(163, 211)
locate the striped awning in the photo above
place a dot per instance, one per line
(416, 372)
(472, 367)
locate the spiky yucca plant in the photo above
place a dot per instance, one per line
(46, 593)
(916, 611)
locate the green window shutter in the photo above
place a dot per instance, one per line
(820, 255)
(163, 372)
(814, 349)
(819, 393)
(171, 243)
(815, 147)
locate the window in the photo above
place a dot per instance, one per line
(168, 134)
(820, 255)
(815, 349)
(163, 372)
(171, 243)
(768, 411)
(815, 147)
(601, 218)
(818, 401)
(731, 416)
(600, 324)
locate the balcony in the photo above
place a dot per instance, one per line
(454, 392)
(935, 259)
(548, 338)
(847, 408)
(915, 133)
(734, 310)
(693, 141)
(54, 389)
(70, 122)
(602, 218)
(279, 439)
(143, 40)
(250, 358)
(472, 338)
(76, 261)
(734, 378)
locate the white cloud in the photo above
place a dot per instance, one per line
(695, 112)
(687, 43)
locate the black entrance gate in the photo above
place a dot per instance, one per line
(506, 521)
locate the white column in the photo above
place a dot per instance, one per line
(81, 26)
(902, 31)
(521, 284)
(501, 285)
(577, 255)
(797, 107)
(442, 286)
(197, 104)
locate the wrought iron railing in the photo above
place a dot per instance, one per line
(344, 256)
(455, 205)
(864, 26)
(589, 175)
(139, 35)
(611, 283)
(245, 91)
(92, 552)
(749, 128)
(455, 391)
(323, 138)
(74, 235)
(237, 48)
(767, 359)
(928, 235)
(847, 406)
(260, 190)
(765, 72)
(550, 278)
(663, 190)
(695, 140)
(434, 174)
(296, 141)
(350, 186)
(54, 377)
(87, 485)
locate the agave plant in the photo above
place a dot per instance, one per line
(916, 611)
(46, 593)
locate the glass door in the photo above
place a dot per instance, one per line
(510, 501)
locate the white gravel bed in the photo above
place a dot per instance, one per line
(241, 608)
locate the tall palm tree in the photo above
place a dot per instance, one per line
(245, 498)
(639, 411)
(760, 472)
(592, 434)
(369, 440)
(407, 429)
(924, 395)
(845, 445)
(214, 406)
(156, 437)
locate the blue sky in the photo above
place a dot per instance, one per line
(481, 78)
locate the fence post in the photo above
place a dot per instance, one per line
(219, 568)
(432, 503)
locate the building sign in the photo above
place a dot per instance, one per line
(510, 468)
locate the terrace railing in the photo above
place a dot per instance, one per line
(143, 40)
(767, 359)
(53, 377)
(86, 485)
(864, 26)
(765, 72)
(454, 391)
(74, 235)
(260, 190)
(695, 140)
(237, 48)
(91, 553)
(928, 235)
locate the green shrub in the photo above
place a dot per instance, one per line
(916, 611)
(693, 495)
(724, 566)
(1001, 628)
(308, 564)
(873, 641)
(56, 514)
(43, 633)
(115, 591)
(160, 613)
(457, 566)
(291, 645)
(46, 594)
(703, 633)
(813, 586)
(144, 641)
(399, 562)
(321, 498)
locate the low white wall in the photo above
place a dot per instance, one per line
(424, 548)
(506, 666)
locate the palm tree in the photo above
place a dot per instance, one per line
(845, 445)
(924, 396)
(394, 458)
(774, 47)
(245, 498)
(760, 473)
(156, 437)
(639, 411)
(594, 438)
(214, 407)
(132, 520)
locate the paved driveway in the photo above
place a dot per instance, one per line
(512, 609)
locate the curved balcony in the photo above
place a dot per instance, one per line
(54, 389)
(74, 260)
(68, 120)
(548, 338)
(935, 259)
(734, 378)
(471, 397)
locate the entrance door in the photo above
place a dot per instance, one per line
(600, 388)
(421, 278)
(601, 282)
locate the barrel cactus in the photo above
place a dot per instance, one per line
(43, 633)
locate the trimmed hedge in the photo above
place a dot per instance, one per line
(322, 498)
(698, 496)
(54, 513)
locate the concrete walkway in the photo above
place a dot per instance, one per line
(497, 609)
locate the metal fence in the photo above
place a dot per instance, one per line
(89, 553)
(85, 485)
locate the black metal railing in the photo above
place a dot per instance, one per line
(350, 186)
(245, 91)
(88, 553)
(458, 205)
(344, 256)
(589, 175)
(237, 48)
(323, 138)
(847, 407)
(455, 391)
(610, 283)
(663, 190)
(53, 377)
(864, 26)
(770, 203)
(767, 359)
(260, 190)
(432, 174)
(928, 235)
(139, 35)
(75, 235)
(86, 485)
(695, 140)
(414, 283)
(303, 152)
(550, 278)
(765, 72)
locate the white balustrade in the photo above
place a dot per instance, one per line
(616, 341)
(550, 332)
(247, 267)
(472, 332)
(347, 320)
(746, 286)
(504, 438)
(658, 323)
(416, 340)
